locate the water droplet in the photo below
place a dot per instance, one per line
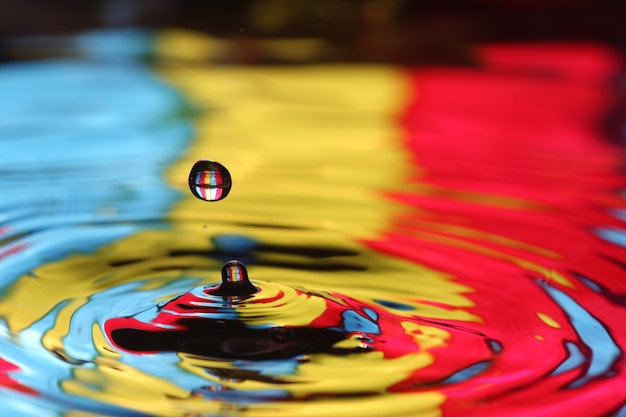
(234, 271)
(234, 281)
(209, 180)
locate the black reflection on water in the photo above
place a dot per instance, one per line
(61, 354)
(256, 255)
(244, 375)
(229, 339)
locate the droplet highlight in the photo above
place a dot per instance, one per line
(209, 180)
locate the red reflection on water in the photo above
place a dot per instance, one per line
(6, 381)
(12, 250)
(515, 151)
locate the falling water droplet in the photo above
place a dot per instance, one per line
(209, 180)
(234, 281)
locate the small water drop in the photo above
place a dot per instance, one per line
(234, 271)
(235, 281)
(209, 180)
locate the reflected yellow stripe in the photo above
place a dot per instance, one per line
(425, 404)
(491, 238)
(545, 272)
(114, 382)
(335, 375)
(427, 337)
(310, 147)
(52, 338)
(548, 320)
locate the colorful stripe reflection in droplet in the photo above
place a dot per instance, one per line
(209, 180)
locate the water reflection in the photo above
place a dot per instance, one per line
(465, 258)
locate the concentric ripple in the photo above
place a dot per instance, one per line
(466, 258)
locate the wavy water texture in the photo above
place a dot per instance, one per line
(433, 242)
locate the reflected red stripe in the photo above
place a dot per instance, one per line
(515, 150)
(8, 382)
(12, 251)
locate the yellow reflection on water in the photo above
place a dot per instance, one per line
(309, 147)
(113, 382)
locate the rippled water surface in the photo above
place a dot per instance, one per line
(432, 242)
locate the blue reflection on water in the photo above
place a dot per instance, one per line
(83, 149)
(83, 144)
(604, 350)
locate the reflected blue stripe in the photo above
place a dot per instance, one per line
(58, 91)
(494, 345)
(19, 405)
(16, 404)
(115, 45)
(621, 412)
(604, 351)
(574, 359)
(354, 322)
(467, 373)
(590, 284)
(613, 235)
(83, 147)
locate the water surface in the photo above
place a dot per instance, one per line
(436, 241)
